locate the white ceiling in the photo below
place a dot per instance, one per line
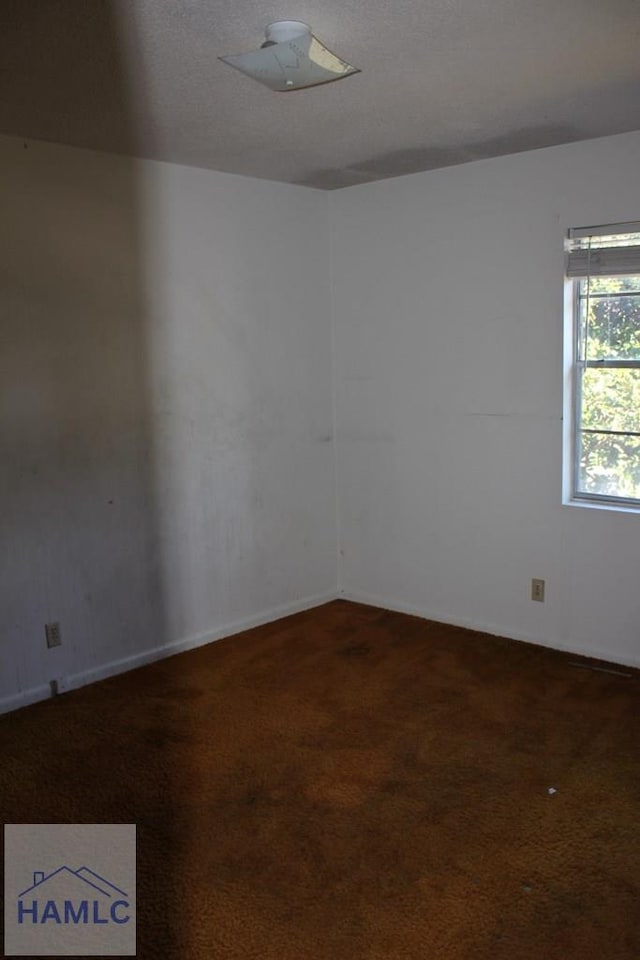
(442, 81)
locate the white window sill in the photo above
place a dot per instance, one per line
(602, 505)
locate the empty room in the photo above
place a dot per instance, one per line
(320, 479)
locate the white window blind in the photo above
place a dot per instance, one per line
(609, 251)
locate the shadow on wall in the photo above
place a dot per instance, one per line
(167, 465)
(79, 527)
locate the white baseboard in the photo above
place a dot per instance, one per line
(113, 667)
(399, 606)
(24, 698)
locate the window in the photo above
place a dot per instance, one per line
(603, 270)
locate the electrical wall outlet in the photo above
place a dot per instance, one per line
(537, 590)
(52, 632)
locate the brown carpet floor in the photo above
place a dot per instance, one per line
(351, 783)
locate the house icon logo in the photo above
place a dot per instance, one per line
(55, 908)
(72, 896)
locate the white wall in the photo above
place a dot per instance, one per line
(448, 296)
(167, 470)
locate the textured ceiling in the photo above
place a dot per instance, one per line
(442, 81)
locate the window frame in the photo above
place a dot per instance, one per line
(574, 370)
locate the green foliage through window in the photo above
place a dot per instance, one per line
(608, 389)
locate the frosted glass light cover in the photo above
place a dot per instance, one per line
(302, 61)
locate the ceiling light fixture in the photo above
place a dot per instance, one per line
(291, 58)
